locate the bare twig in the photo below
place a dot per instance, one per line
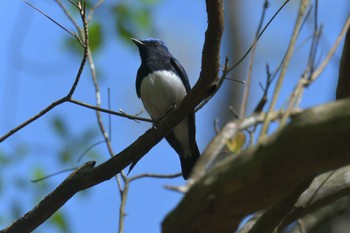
(260, 34)
(121, 114)
(251, 61)
(260, 106)
(93, 8)
(325, 62)
(221, 81)
(61, 100)
(303, 82)
(219, 142)
(123, 197)
(54, 174)
(70, 17)
(150, 175)
(55, 22)
(88, 149)
(302, 8)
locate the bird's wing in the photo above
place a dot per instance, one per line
(191, 116)
(181, 72)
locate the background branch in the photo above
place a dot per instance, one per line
(296, 30)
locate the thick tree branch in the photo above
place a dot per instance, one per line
(278, 210)
(322, 193)
(311, 221)
(327, 195)
(94, 175)
(315, 141)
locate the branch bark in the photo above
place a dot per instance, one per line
(314, 142)
(323, 194)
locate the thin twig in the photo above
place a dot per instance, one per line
(33, 118)
(150, 175)
(70, 17)
(121, 114)
(296, 30)
(325, 62)
(55, 22)
(88, 149)
(123, 198)
(251, 62)
(54, 174)
(92, 10)
(261, 33)
(221, 81)
(303, 82)
(309, 69)
(57, 102)
(74, 4)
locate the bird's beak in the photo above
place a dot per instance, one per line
(137, 42)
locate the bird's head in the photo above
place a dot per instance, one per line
(151, 48)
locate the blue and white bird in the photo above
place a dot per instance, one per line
(161, 84)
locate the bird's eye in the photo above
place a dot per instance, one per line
(154, 44)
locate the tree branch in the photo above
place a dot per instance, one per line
(313, 220)
(241, 185)
(325, 190)
(278, 210)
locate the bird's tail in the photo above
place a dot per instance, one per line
(188, 162)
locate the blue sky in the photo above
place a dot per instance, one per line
(36, 69)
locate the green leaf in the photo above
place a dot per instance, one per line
(73, 45)
(38, 173)
(59, 220)
(131, 21)
(236, 143)
(60, 126)
(149, 2)
(95, 36)
(143, 19)
(66, 156)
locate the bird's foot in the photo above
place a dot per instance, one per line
(172, 107)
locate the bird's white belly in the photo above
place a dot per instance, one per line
(160, 91)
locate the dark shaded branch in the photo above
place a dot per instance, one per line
(276, 212)
(241, 185)
(311, 221)
(324, 190)
(343, 88)
(327, 195)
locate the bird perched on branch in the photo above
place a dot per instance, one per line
(161, 84)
